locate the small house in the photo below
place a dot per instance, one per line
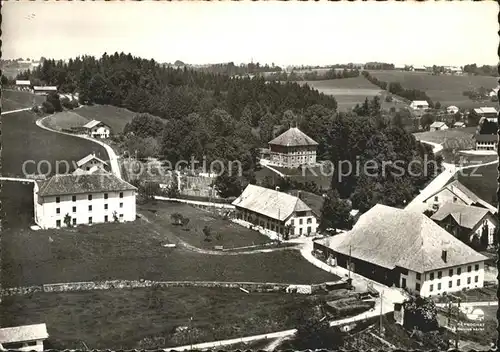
(23, 338)
(44, 90)
(419, 105)
(97, 129)
(438, 126)
(91, 161)
(459, 124)
(23, 84)
(452, 109)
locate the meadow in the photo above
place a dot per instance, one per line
(347, 91)
(148, 318)
(482, 181)
(13, 100)
(113, 116)
(24, 141)
(446, 89)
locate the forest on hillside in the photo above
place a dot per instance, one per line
(184, 113)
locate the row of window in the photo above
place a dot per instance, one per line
(73, 221)
(292, 222)
(450, 283)
(450, 272)
(454, 199)
(73, 198)
(58, 210)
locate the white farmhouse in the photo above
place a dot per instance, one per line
(44, 90)
(97, 129)
(419, 105)
(86, 199)
(23, 338)
(91, 161)
(438, 126)
(452, 109)
(275, 211)
(405, 249)
(293, 148)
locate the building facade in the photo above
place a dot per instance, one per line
(419, 105)
(275, 211)
(83, 200)
(405, 249)
(438, 126)
(91, 161)
(292, 148)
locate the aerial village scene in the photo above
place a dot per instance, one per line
(195, 181)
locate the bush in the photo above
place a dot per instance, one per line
(47, 107)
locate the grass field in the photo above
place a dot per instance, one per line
(482, 181)
(323, 181)
(127, 319)
(17, 204)
(347, 91)
(13, 100)
(225, 233)
(23, 140)
(64, 120)
(133, 251)
(445, 89)
(114, 117)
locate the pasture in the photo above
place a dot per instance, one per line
(13, 100)
(113, 116)
(482, 181)
(26, 144)
(134, 251)
(148, 318)
(224, 232)
(446, 89)
(347, 91)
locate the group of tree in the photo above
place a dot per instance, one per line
(313, 75)
(485, 70)
(378, 66)
(478, 94)
(397, 89)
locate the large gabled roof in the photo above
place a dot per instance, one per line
(88, 158)
(23, 333)
(293, 138)
(467, 216)
(270, 203)
(391, 237)
(82, 183)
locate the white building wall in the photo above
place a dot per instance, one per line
(81, 213)
(411, 280)
(89, 164)
(491, 230)
(441, 285)
(100, 132)
(446, 196)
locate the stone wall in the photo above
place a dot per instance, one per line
(130, 284)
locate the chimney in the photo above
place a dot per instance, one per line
(299, 194)
(278, 188)
(444, 255)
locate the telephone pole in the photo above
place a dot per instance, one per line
(381, 304)
(349, 264)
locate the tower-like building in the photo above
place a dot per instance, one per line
(292, 148)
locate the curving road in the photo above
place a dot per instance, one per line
(113, 158)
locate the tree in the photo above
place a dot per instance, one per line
(176, 218)
(437, 105)
(67, 220)
(335, 213)
(420, 314)
(207, 231)
(47, 107)
(173, 188)
(115, 216)
(185, 221)
(426, 120)
(485, 237)
(315, 333)
(227, 185)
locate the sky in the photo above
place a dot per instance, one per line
(284, 33)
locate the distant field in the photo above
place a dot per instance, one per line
(13, 100)
(113, 116)
(482, 181)
(461, 138)
(23, 141)
(445, 89)
(130, 319)
(347, 91)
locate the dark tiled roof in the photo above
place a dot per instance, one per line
(293, 137)
(486, 137)
(76, 184)
(467, 216)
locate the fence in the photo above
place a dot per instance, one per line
(131, 284)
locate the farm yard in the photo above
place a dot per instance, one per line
(148, 318)
(23, 140)
(135, 251)
(448, 90)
